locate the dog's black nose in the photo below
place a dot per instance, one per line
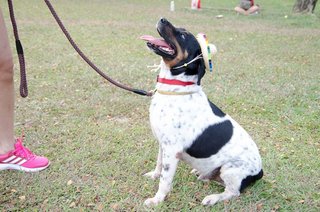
(163, 20)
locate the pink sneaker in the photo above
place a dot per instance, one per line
(21, 158)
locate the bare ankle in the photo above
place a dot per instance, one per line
(6, 147)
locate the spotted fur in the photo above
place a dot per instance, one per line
(192, 129)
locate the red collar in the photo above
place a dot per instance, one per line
(174, 82)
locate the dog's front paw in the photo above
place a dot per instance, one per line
(153, 175)
(152, 202)
(211, 199)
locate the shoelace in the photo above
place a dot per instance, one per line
(23, 151)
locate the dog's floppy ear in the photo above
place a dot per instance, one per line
(201, 70)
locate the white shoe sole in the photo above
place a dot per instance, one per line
(21, 168)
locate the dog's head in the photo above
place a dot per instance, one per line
(177, 48)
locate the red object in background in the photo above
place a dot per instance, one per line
(195, 4)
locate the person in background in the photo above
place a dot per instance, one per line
(247, 7)
(13, 154)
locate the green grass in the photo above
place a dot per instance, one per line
(98, 137)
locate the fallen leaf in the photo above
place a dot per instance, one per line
(192, 204)
(115, 206)
(276, 207)
(86, 177)
(259, 206)
(45, 201)
(100, 207)
(44, 204)
(72, 205)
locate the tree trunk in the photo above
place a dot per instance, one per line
(304, 6)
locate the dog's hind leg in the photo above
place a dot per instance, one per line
(232, 180)
(157, 171)
(169, 166)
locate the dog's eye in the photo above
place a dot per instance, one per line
(183, 37)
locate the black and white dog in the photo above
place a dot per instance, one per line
(189, 127)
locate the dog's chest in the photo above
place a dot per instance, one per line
(178, 120)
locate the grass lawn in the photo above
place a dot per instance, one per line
(267, 77)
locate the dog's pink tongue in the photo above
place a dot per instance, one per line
(155, 41)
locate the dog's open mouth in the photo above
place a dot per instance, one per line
(159, 46)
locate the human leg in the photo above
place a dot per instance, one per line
(13, 155)
(6, 91)
(253, 9)
(240, 10)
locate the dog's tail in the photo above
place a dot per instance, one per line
(250, 179)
